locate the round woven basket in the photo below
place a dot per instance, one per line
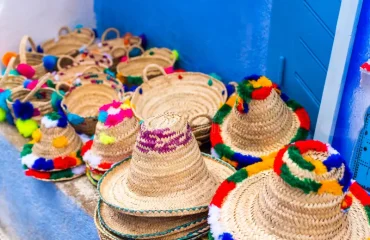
(68, 72)
(11, 81)
(131, 70)
(43, 103)
(32, 58)
(83, 99)
(69, 43)
(197, 96)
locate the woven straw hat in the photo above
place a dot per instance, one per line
(167, 174)
(55, 147)
(115, 136)
(307, 195)
(256, 122)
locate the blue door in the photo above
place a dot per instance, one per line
(301, 39)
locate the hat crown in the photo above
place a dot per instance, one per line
(166, 157)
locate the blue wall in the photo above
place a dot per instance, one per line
(355, 100)
(226, 37)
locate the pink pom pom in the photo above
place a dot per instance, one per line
(26, 70)
(33, 84)
(124, 59)
(113, 120)
(169, 70)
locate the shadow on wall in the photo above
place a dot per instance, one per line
(226, 37)
(355, 100)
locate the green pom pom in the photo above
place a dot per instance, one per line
(14, 72)
(239, 176)
(210, 82)
(175, 54)
(26, 127)
(2, 115)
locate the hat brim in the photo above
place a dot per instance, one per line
(58, 176)
(128, 226)
(114, 192)
(190, 234)
(91, 179)
(239, 205)
(240, 158)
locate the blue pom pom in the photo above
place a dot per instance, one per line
(125, 88)
(252, 77)
(333, 161)
(246, 107)
(141, 91)
(49, 165)
(95, 32)
(3, 97)
(62, 122)
(50, 62)
(144, 41)
(26, 82)
(9, 118)
(39, 49)
(244, 160)
(23, 111)
(102, 117)
(133, 88)
(284, 97)
(226, 236)
(39, 164)
(75, 119)
(135, 52)
(346, 179)
(230, 89)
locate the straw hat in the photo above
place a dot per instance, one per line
(305, 196)
(167, 174)
(115, 136)
(256, 122)
(55, 146)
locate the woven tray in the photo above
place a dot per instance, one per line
(196, 95)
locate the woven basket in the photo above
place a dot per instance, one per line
(11, 81)
(195, 95)
(68, 72)
(96, 57)
(164, 52)
(32, 58)
(131, 70)
(83, 99)
(70, 43)
(43, 104)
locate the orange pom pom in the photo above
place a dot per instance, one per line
(7, 56)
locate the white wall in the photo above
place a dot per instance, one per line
(40, 19)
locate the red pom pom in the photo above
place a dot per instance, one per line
(86, 147)
(70, 161)
(105, 165)
(26, 70)
(179, 70)
(215, 135)
(303, 118)
(60, 163)
(313, 145)
(222, 192)
(360, 194)
(279, 160)
(37, 174)
(180, 77)
(261, 93)
(366, 66)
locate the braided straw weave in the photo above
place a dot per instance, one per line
(87, 95)
(167, 175)
(196, 96)
(115, 135)
(92, 64)
(43, 104)
(69, 43)
(32, 58)
(305, 197)
(11, 81)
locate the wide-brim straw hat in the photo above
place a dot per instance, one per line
(55, 145)
(167, 174)
(307, 195)
(256, 122)
(136, 227)
(193, 233)
(115, 135)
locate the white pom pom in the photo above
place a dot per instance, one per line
(48, 123)
(29, 159)
(79, 170)
(214, 221)
(92, 159)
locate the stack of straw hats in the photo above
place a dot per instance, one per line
(307, 195)
(256, 122)
(54, 152)
(115, 135)
(164, 189)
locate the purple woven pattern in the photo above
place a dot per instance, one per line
(162, 140)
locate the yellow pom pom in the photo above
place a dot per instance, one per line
(26, 127)
(320, 168)
(105, 139)
(2, 115)
(261, 82)
(232, 99)
(175, 55)
(125, 106)
(332, 187)
(7, 56)
(232, 163)
(60, 142)
(120, 77)
(267, 163)
(36, 135)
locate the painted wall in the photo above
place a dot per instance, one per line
(226, 37)
(355, 100)
(40, 19)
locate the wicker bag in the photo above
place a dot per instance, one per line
(73, 68)
(33, 58)
(83, 99)
(11, 81)
(164, 52)
(130, 71)
(196, 95)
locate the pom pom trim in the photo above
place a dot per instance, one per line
(55, 176)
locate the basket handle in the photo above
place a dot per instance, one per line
(7, 70)
(64, 57)
(204, 115)
(64, 29)
(127, 95)
(59, 85)
(105, 33)
(146, 69)
(41, 82)
(132, 47)
(23, 48)
(112, 53)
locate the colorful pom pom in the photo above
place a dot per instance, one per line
(14, 72)
(50, 62)
(7, 56)
(175, 55)
(106, 139)
(75, 119)
(26, 127)
(22, 110)
(39, 49)
(2, 115)
(36, 135)
(26, 70)
(60, 142)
